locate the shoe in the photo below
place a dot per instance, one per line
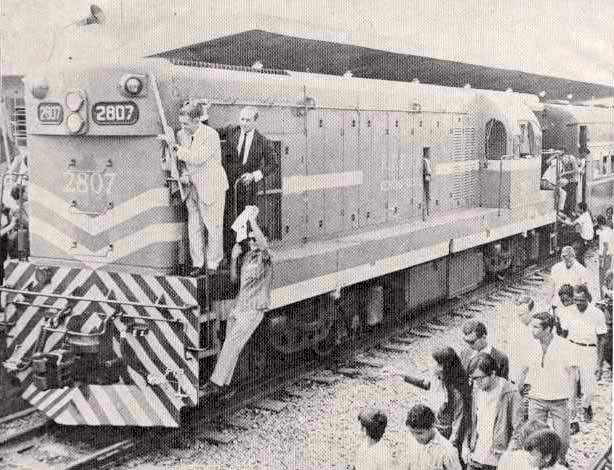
(210, 389)
(588, 414)
(226, 392)
(574, 428)
(198, 272)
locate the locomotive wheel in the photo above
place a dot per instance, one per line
(328, 345)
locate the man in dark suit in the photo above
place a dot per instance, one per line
(476, 337)
(248, 158)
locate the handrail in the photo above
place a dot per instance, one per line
(89, 299)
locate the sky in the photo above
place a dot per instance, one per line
(564, 38)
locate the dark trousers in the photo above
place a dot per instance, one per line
(580, 246)
(570, 202)
(472, 465)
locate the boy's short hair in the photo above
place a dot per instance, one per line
(529, 427)
(601, 220)
(546, 320)
(476, 326)
(484, 362)
(420, 417)
(374, 421)
(547, 442)
(566, 289)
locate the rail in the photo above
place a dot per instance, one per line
(603, 461)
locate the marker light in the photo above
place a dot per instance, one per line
(39, 88)
(10, 310)
(74, 100)
(74, 122)
(43, 275)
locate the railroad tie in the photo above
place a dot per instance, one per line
(403, 339)
(269, 404)
(395, 348)
(324, 379)
(461, 313)
(237, 422)
(349, 372)
(296, 393)
(215, 437)
(473, 309)
(420, 333)
(436, 327)
(368, 363)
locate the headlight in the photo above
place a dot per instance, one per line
(132, 85)
(74, 100)
(74, 122)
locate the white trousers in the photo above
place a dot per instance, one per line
(587, 364)
(241, 325)
(211, 216)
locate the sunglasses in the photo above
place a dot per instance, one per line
(471, 342)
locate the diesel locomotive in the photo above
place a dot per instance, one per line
(103, 327)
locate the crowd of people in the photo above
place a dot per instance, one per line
(14, 216)
(515, 409)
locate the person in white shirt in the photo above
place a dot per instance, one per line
(566, 271)
(200, 149)
(543, 447)
(515, 457)
(549, 367)
(549, 181)
(606, 247)
(519, 340)
(496, 415)
(426, 448)
(373, 453)
(584, 228)
(586, 332)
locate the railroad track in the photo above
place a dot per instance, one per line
(205, 423)
(603, 460)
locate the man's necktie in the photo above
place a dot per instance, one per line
(242, 151)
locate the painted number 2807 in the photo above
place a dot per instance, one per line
(86, 182)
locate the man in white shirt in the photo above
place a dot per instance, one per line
(519, 340)
(200, 149)
(426, 448)
(549, 367)
(566, 271)
(586, 331)
(606, 247)
(584, 227)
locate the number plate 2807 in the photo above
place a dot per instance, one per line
(115, 113)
